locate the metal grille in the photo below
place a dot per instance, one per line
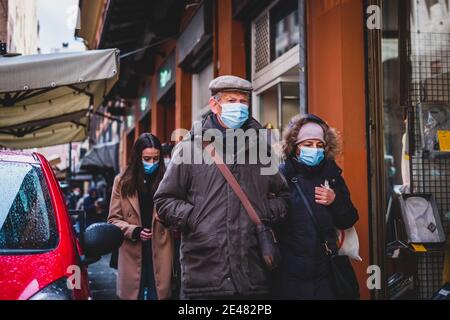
(261, 42)
(429, 55)
(430, 273)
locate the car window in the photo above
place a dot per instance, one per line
(27, 219)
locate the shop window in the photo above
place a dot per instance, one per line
(279, 104)
(275, 32)
(278, 63)
(415, 66)
(200, 92)
(268, 113)
(290, 102)
(284, 28)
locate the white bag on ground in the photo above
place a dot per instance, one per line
(348, 243)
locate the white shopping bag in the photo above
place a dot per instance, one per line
(348, 243)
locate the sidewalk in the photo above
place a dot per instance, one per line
(102, 280)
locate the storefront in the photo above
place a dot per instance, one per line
(409, 105)
(195, 56)
(143, 110)
(276, 35)
(165, 95)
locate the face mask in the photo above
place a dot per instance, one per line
(166, 162)
(234, 115)
(311, 156)
(150, 168)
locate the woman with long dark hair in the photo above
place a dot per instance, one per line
(145, 258)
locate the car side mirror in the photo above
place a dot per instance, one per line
(100, 239)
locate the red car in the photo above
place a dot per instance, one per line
(41, 257)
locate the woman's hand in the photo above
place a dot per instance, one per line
(145, 235)
(325, 196)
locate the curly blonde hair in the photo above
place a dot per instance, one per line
(333, 141)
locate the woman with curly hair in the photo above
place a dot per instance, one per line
(319, 199)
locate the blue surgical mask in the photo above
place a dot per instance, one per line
(234, 115)
(311, 156)
(150, 168)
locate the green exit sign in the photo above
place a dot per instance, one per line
(165, 76)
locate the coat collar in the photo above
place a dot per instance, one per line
(328, 168)
(210, 122)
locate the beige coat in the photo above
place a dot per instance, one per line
(125, 213)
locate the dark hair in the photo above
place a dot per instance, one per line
(167, 149)
(133, 178)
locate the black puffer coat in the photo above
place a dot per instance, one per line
(219, 249)
(305, 272)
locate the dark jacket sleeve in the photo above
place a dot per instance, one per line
(136, 235)
(344, 212)
(278, 199)
(170, 198)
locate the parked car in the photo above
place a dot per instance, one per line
(41, 256)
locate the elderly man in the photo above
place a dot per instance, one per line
(220, 255)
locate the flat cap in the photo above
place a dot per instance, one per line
(229, 83)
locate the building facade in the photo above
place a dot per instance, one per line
(19, 27)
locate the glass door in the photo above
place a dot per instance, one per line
(278, 104)
(409, 100)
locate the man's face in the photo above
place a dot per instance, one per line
(227, 97)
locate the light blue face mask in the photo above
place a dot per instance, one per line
(234, 115)
(150, 168)
(311, 156)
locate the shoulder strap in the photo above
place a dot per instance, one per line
(307, 204)
(229, 177)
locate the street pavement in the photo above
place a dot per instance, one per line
(102, 280)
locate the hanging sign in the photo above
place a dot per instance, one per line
(166, 75)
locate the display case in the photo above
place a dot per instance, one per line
(421, 218)
(434, 124)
